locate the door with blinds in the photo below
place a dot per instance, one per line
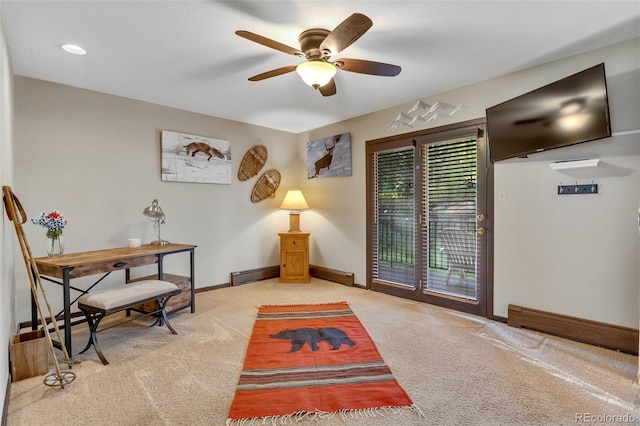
(427, 233)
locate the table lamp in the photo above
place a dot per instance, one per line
(156, 215)
(294, 202)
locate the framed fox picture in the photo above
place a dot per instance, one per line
(192, 158)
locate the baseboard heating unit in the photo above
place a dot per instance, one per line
(253, 275)
(596, 333)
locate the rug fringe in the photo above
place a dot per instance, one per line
(345, 414)
(300, 304)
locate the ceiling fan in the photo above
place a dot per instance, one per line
(317, 46)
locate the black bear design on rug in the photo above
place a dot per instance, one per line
(334, 336)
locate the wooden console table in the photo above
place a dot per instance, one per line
(74, 265)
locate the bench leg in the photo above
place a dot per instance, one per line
(163, 312)
(93, 338)
(94, 318)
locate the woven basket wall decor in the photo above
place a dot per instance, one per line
(266, 186)
(252, 162)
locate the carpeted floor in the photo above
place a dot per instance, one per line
(457, 368)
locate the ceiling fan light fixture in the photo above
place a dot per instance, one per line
(316, 73)
(317, 45)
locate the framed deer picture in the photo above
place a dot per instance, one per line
(330, 156)
(192, 158)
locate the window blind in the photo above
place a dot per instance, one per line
(393, 246)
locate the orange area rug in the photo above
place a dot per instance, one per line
(313, 361)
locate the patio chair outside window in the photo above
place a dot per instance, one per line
(460, 247)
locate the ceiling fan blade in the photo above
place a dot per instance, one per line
(368, 67)
(269, 43)
(328, 89)
(346, 33)
(273, 73)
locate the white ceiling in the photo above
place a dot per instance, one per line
(185, 54)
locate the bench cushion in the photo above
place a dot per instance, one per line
(126, 294)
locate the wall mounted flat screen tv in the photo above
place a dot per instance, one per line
(569, 111)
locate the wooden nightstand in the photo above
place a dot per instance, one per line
(294, 257)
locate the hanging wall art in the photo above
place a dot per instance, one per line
(266, 186)
(252, 162)
(329, 156)
(192, 158)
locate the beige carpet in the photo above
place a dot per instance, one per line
(459, 369)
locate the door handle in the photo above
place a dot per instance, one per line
(481, 231)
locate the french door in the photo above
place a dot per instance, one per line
(428, 233)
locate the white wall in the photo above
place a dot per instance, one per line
(96, 159)
(7, 322)
(571, 255)
(574, 254)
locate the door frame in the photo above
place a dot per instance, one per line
(484, 204)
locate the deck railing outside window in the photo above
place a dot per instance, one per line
(396, 237)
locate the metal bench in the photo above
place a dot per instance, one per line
(97, 306)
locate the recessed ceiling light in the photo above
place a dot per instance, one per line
(74, 50)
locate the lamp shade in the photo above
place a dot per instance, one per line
(316, 73)
(294, 200)
(154, 211)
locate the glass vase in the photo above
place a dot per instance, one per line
(55, 243)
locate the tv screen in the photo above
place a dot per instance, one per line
(566, 112)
